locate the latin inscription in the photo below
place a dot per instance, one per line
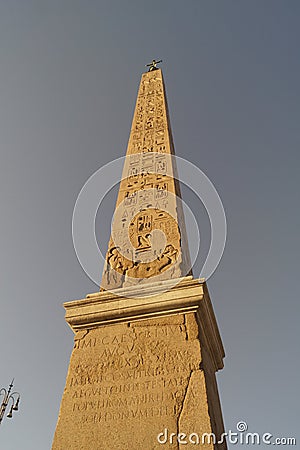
(137, 413)
(140, 373)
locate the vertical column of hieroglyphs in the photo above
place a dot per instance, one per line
(147, 229)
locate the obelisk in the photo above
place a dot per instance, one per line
(147, 346)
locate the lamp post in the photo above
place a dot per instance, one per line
(8, 397)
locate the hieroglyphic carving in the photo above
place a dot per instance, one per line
(134, 159)
(146, 195)
(130, 198)
(161, 166)
(161, 190)
(160, 123)
(133, 171)
(155, 260)
(150, 105)
(148, 141)
(146, 185)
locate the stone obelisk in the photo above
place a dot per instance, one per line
(147, 346)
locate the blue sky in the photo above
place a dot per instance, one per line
(69, 75)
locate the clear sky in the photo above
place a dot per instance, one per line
(69, 75)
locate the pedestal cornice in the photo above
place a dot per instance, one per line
(154, 300)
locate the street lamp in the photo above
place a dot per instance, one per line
(8, 397)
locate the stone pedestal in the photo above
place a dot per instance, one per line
(142, 372)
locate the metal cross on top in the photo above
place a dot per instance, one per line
(152, 65)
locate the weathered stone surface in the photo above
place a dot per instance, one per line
(147, 346)
(126, 383)
(148, 235)
(129, 382)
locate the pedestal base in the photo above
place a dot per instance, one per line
(144, 378)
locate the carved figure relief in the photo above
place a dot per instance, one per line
(141, 236)
(145, 190)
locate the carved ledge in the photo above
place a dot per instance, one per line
(160, 299)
